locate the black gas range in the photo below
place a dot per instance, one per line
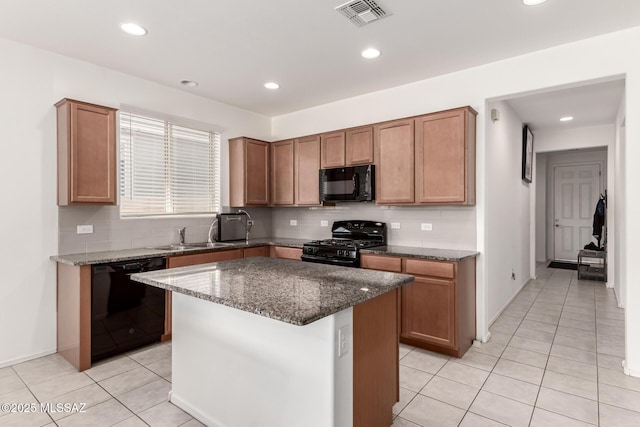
(348, 238)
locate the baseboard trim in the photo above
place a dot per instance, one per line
(6, 363)
(629, 371)
(505, 305)
(620, 304)
(191, 410)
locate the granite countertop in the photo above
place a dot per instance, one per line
(290, 291)
(90, 258)
(424, 253)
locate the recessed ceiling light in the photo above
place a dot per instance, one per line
(190, 83)
(533, 2)
(272, 85)
(370, 53)
(133, 29)
(566, 119)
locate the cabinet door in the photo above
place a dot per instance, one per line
(257, 251)
(333, 150)
(86, 154)
(256, 172)
(286, 252)
(442, 157)
(282, 173)
(203, 258)
(395, 162)
(307, 168)
(428, 311)
(359, 146)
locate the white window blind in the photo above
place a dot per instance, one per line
(167, 169)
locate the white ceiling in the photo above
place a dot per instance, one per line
(589, 105)
(232, 47)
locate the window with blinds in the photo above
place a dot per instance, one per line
(167, 169)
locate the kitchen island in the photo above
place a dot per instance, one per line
(263, 341)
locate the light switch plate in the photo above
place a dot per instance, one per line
(293, 222)
(343, 341)
(324, 223)
(85, 229)
(426, 226)
(395, 225)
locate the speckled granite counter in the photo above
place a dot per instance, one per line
(290, 291)
(132, 254)
(424, 253)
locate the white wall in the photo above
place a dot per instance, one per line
(507, 223)
(31, 81)
(558, 139)
(562, 66)
(540, 178)
(618, 200)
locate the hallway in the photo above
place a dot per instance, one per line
(554, 359)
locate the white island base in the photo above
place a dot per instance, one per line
(232, 368)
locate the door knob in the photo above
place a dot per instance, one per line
(557, 225)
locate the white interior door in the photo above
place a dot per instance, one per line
(576, 191)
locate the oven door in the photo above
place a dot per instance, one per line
(350, 262)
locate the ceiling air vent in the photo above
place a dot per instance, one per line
(362, 12)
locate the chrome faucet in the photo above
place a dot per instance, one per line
(249, 223)
(181, 233)
(214, 223)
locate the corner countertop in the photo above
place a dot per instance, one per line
(423, 253)
(290, 291)
(91, 258)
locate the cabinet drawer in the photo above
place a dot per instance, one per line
(203, 258)
(385, 263)
(429, 268)
(287, 253)
(258, 251)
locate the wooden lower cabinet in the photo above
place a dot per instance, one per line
(286, 252)
(438, 310)
(257, 251)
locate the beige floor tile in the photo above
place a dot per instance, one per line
(463, 374)
(568, 405)
(196, 423)
(578, 324)
(476, 360)
(490, 348)
(25, 419)
(500, 338)
(586, 344)
(505, 324)
(413, 379)
(472, 420)
(546, 309)
(43, 369)
(519, 371)
(161, 367)
(132, 422)
(570, 353)
(570, 384)
(610, 340)
(451, 392)
(429, 412)
(164, 414)
(146, 396)
(527, 357)
(531, 345)
(573, 332)
(90, 395)
(400, 422)
(405, 398)
(611, 330)
(612, 416)
(553, 320)
(10, 383)
(60, 385)
(511, 388)
(127, 381)
(620, 397)
(609, 362)
(616, 377)
(148, 355)
(6, 371)
(583, 317)
(424, 360)
(501, 409)
(542, 418)
(534, 334)
(611, 350)
(405, 349)
(22, 395)
(573, 368)
(610, 315)
(539, 326)
(110, 368)
(610, 322)
(104, 414)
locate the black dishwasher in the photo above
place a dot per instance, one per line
(124, 314)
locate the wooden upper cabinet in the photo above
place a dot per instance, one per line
(394, 151)
(248, 172)
(282, 173)
(445, 157)
(87, 172)
(359, 146)
(307, 167)
(333, 150)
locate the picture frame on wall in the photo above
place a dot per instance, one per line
(527, 154)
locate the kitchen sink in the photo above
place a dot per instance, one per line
(186, 246)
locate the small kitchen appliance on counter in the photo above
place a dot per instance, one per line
(348, 238)
(232, 226)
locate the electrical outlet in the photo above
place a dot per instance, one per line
(293, 222)
(85, 229)
(395, 225)
(324, 223)
(425, 226)
(343, 341)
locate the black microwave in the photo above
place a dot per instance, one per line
(348, 184)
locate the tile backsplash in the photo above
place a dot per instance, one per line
(113, 233)
(453, 227)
